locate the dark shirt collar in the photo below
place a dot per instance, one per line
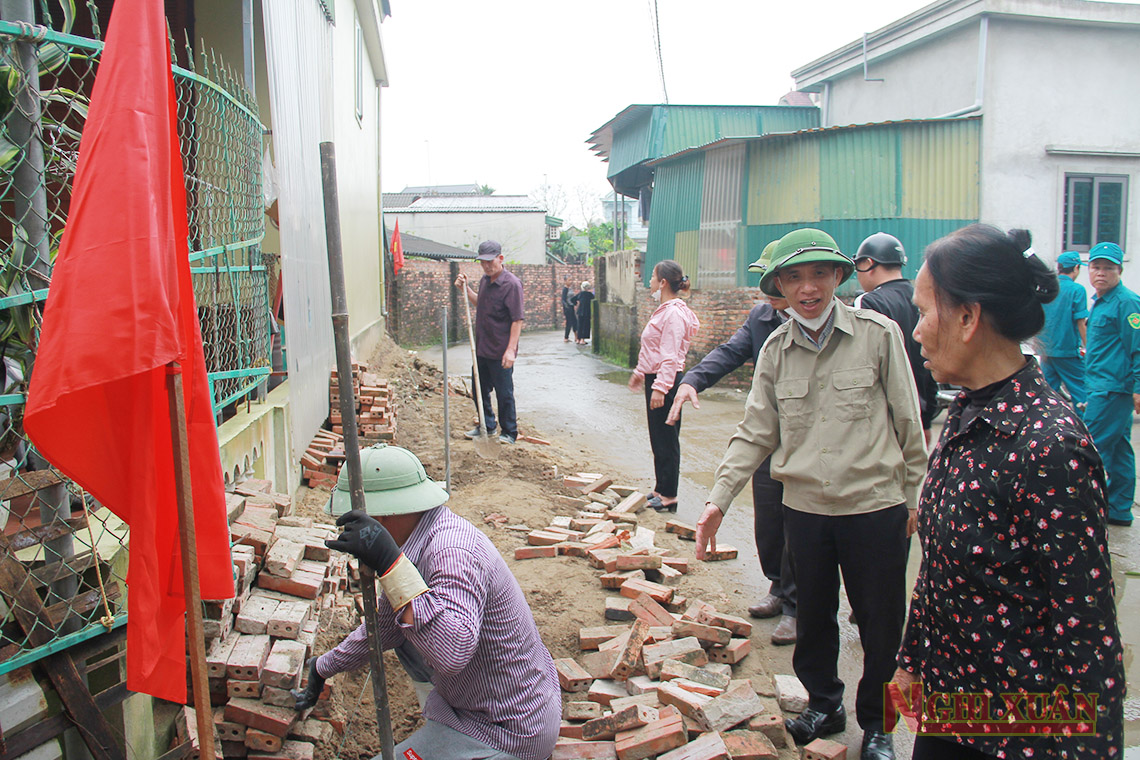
(1005, 411)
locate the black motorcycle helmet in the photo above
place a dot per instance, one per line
(882, 249)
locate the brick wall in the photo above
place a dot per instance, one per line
(424, 287)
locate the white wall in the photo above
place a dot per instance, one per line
(1069, 86)
(921, 82)
(522, 234)
(358, 172)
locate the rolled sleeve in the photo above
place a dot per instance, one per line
(721, 360)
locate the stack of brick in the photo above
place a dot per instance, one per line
(372, 400)
(321, 462)
(656, 680)
(258, 642)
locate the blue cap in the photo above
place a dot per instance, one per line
(1110, 251)
(1069, 259)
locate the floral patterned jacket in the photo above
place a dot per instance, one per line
(1015, 591)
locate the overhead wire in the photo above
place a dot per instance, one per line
(656, 18)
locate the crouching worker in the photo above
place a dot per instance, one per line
(454, 614)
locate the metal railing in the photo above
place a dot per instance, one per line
(58, 547)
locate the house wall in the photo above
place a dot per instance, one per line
(1071, 100)
(921, 82)
(522, 234)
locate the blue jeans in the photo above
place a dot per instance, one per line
(1109, 420)
(493, 376)
(1069, 371)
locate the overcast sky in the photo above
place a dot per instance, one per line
(505, 92)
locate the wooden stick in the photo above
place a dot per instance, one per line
(196, 637)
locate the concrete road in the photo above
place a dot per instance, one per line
(583, 402)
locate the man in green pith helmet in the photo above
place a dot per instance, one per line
(453, 612)
(833, 403)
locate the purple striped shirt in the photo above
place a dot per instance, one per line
(494, 679)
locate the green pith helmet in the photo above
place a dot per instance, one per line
(394, 484)
(803, 246)
(765, 260)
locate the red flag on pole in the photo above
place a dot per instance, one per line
(120, 308)
(397, 250)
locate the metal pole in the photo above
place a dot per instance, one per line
(30, 197)
(247, 45)
(351, 440)
(446, 407)
(184, 497)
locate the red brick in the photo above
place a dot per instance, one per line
(697, 687)
(680, 564)
(290, 750)
(732, 708)
(723, 552)
(672, 669)
(289, 619)
(570, 730)
(584, 751)
(571, 676)
(631, 504)
(736, 651)
(260, 741)
(598, 664)
(706, 634)
(604, 690)
(255, 614)
(544, 538)
(581, 711)
(616, 644)
(825, 749)
(655, 738)
(591, 637)
(316, 732)
(771, 726)
(629, 662)
(282, 559)
(749, 745)
(219, 655)
(706, 747)
(686, 650)
(282, 667)
(248, 657)
(598, 557)
(681, 529)
(243, 689)
(573, 548)
(536, 552)
(687, 702)
(628, 718)
(656, 591)
(271, 695)
(637, 562)
(302, 584)
(271, 720)
(617, 607)
(739, 626)
(597, 486)
(227, 730)
(615, 579)
(696, 609)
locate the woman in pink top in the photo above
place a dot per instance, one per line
(664, 343)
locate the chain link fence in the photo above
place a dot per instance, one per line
(63, 563)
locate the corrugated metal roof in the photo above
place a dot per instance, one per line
(397, 200)
(474, 204)
(470, 189)
(414, 245)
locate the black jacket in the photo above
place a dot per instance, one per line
(894, 299)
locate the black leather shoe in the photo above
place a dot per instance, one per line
(813, 724)
(877, 746)
(769, 606)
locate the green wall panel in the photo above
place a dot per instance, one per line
(676, 207)
(859, 171)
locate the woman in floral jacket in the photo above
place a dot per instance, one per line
(1012, 631)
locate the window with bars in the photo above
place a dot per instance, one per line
(1096, 210)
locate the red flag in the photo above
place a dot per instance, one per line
(121, 307)
(397, 250)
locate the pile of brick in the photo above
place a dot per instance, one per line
(375, 408)
(258, 643)
(322, 460)
(656, 681)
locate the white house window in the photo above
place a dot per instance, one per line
(359, 73)
(1096, 210)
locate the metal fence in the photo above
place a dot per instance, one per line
(62, 558)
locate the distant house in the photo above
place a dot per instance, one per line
(464, 220)
(626, 213)
(1058, 147)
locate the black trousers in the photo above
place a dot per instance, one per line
(870, 550)
(939, 748)
(571, 322)
(771, 543)
(492, 376)
(665, 440)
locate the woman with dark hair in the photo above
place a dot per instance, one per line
(664, 344)
(1013, 608)
(582, 302)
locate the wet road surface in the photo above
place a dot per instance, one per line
(583, 402)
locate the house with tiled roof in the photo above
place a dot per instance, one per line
(463, 221)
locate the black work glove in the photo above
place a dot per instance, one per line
(367, 540)
(307, 697)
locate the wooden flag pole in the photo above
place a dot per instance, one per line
(351, 439)
(195, 635)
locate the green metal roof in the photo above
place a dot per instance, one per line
(643, 133)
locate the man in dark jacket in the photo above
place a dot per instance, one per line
(767, 494)
(878, 267)
(568, 309)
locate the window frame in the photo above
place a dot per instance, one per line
(1070, 179)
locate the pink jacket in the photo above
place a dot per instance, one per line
(665, 342)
